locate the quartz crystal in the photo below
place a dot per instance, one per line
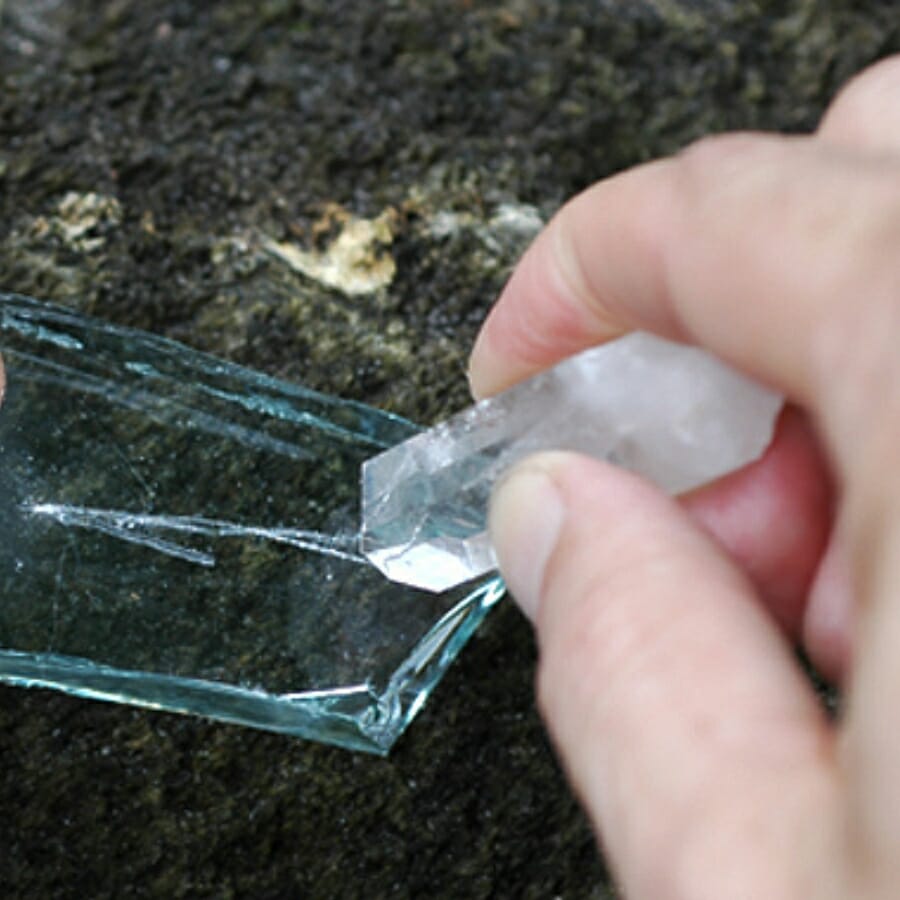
(672, 413)
(182, 533)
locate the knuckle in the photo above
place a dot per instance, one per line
(729, 157)
(729, 146)
(863, 110)
(573, 673)
(734, 183)
(561, 675)
(854, 345)
(605, 644)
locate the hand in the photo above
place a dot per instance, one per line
(667, 674)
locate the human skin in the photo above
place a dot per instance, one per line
(667, 673)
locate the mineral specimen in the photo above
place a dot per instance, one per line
(672, 413)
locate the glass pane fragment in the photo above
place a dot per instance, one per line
(181, 532)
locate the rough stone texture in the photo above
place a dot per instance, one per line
(230, 174)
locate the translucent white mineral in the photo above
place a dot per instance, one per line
(674, 414)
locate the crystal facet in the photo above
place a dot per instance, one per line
(180, 532)
(674, 414)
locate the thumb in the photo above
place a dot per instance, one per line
(675, 702)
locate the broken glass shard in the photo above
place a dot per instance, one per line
(672, 413)
(182, 533)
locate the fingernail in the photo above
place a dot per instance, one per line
(525, 519)
(478, 370)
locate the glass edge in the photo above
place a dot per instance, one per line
(417, 676)
(72, 316)
(355, 717)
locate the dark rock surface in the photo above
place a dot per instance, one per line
(333, 191)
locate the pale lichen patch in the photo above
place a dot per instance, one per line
(355, 261)
(80, 221)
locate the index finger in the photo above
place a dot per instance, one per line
(763, 249)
